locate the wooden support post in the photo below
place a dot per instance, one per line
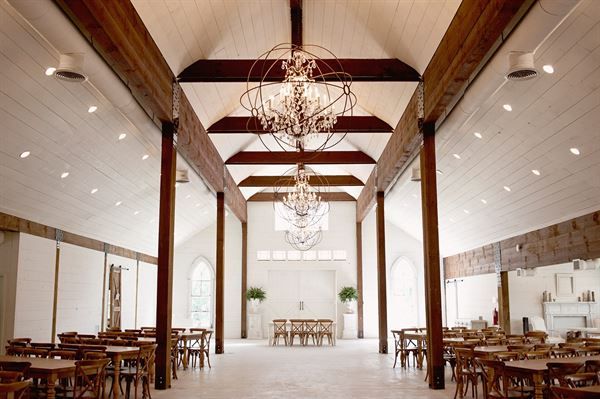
(137, 291)
(56, 272)
(504, 303)
(244, 278)
(220, 294)
(381, 274)
(359, 280)
(103, 321)
(164, 290)
(431, 249)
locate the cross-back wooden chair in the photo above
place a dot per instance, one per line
(206, 348)
(467, 371)
(138, 372)
(20, 367)
(507, 356)
(311, 329)
(297, 330)
(397, 347)
(326, 330)
(65, 354)
(280, 330)
(10, 376)
(557, 372)
(540, 354)
(18, 389)
(89, 378)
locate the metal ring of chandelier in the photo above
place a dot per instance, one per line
(300, 110)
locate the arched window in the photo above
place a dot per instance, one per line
(201, 298)
(404, 299)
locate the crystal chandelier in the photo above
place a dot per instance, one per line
(301, 110)
(301, 205)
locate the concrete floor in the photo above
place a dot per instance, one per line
(352, 369)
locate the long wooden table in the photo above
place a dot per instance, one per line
(537, 371)
(420, 339)
(189, 338)
(49, 370)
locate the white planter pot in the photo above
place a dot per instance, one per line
(348, 308)
(254, 306)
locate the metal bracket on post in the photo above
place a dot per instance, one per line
(421, 105)
(105, 249)
(58, 235)
(175, 110)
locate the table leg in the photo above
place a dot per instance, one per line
(420, 354)
(185, 353)
(538, 384)
(117, 368)
(202, 342)
(50, 386)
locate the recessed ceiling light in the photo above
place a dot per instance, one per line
(507, 188)
(122, 136)
(64, 175)
(205, 212)
(574, 151)
(548, 68)
(145, 156)
(25, 154)
(483, 201)
(136, 212)
(404, 204)
(151, 221)
(50, 71)
(535, 172)
(414, 195)
(478, 135)
(198, 205)
(507, 107)
(188, 196)
(466, 211)
(93, 108)
(456, 156)
(452, 220)
(118, 203)
(94, 191)
(439, 172)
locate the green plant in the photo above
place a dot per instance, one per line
(256, 293)
(348, 294)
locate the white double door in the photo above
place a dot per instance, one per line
(302, 294)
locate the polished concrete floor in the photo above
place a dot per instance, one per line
(352, 369)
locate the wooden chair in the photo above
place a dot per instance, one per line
(297, 330)
(495, 383)
(66, 354)
(507, 356)
(280, 330)
(541, 354)
(397, 334)
(207, 337)
(311, 329)
(85, 336)
(34, 352)
(557, 372)
(174, 356)
(539, 347)
(536, 337)
(561, 353)
(581, 380)
(89, 379)
(194, 346)
(20, 367)
(569, 393)
(19, 341)
(138, 372)
(10, 376)
(592, 366)
(326, 330)
(467, 372)
(18, 390)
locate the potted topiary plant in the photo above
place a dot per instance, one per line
(255, 295)
(347, 295)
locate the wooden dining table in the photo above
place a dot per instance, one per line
(49, 370)
(537, 371)
(189, 338)
(420, 339)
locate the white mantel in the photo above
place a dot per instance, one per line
(562, 315)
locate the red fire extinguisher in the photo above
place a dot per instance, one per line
(495, 317)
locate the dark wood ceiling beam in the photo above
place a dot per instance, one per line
(115, 30)
(344, 124)
(292, 158)
(361, 70)
(329, 197)
(271, 181)
(296, 13)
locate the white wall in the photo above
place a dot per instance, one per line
(526, 292)
(203, 245)
(79, 289)
(340, 236)
(9, 257)
(128, 273)
(473, 295)
(397, 244)
(147, 295)
(35, 288)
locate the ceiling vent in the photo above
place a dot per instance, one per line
(181, 176)
(415, 174)
(521, 66)
(70, 68)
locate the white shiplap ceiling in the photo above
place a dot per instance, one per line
(551, 114)
(188, 30)
(50, 119)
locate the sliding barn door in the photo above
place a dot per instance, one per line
(114, 289)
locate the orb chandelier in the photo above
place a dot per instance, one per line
(301, 205)
(300, 110)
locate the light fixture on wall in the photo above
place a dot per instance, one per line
(299, 110)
